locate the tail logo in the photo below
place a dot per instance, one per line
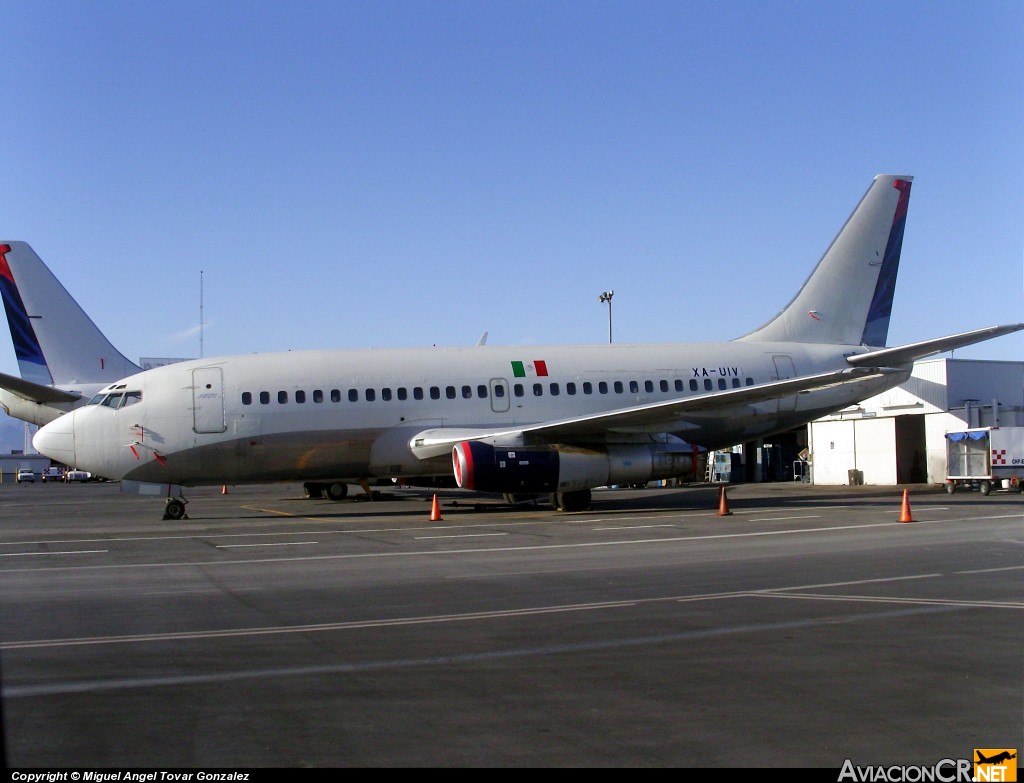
(26, 346)
(876, 329)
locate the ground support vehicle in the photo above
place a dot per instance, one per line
(985, 459)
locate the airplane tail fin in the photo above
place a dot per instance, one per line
(847, 300)
(54, 340)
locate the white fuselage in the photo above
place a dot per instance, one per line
(350, 414)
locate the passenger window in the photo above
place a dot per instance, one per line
(750, 381)
(353, 395)
(570, 388)
(246, 398)
(634, 387)
(264, 398)
(518, 390)
(602, 387)
(708, 386)
(722, 384)
(335, 395)
(648, 386)
(618, 387)
(371, 395)
(481, 392)
(449, 392)
(538, 389)
(282, 397)
(403, 393)
(693, 384)
(679, 385)
(435, 393)
(467, 392)
(300, 397)
(318, 395)
(735, 383)
(588, 387)
(499, 390)
(664, 386)
(385, 394)
(417, 393)
(554, 389)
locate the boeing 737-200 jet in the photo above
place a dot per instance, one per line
(526, 420)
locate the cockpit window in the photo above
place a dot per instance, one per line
(117, 399)
(113, 400)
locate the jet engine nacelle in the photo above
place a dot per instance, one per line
(486, 468)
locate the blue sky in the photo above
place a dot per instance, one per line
(416, 173)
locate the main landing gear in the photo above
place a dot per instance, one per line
(560, 501)
(333, 490)
(571, 501)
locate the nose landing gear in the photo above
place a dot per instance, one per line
(175, 508)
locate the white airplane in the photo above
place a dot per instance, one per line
(524, 420)
(62, 357)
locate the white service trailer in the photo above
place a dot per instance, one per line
(985, 458)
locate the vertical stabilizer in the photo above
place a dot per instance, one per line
(848, 298)
(54, 340)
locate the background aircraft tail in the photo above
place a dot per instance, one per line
(54, 340)
(847, 300)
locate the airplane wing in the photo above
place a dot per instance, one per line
(666, 415)
(907, 354)
(35, 392)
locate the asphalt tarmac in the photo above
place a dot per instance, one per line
(808, 627)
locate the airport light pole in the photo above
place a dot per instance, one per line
(607, 297)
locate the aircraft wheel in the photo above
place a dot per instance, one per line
(950, 487)
(174, 509)
(515, 498)
(985, 487)
(574, 501)
(336, 490)
(311, 490)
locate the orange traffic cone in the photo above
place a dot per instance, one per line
(723, 502)
(905, 510)
(224, 489)
(435, 511)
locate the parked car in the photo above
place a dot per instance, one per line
(74, 474)
(26, 475)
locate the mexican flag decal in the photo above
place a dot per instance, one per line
(529, 369)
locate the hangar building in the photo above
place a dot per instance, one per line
(898, 437)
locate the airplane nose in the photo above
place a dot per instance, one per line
(57, 440)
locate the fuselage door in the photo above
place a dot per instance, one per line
(208, 400)
(784, 368)
(500, 400)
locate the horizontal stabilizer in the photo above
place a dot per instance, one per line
(907, 354)
(35, 392)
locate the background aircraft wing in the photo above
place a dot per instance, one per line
(35, 392)
(662, 416)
